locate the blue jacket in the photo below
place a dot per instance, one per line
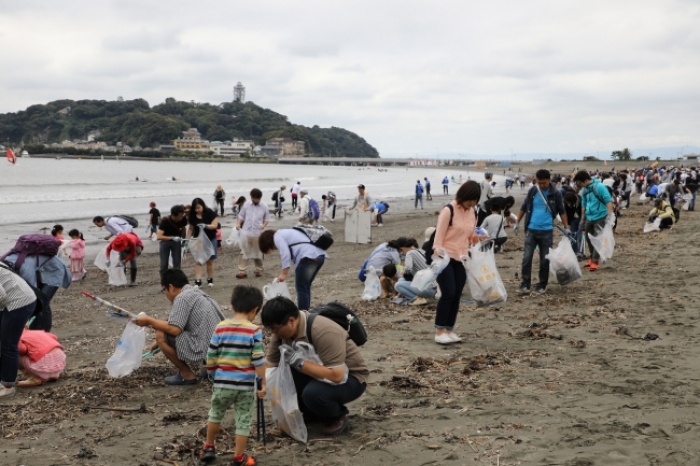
(594, 200)
(419, 189)
(555, 201)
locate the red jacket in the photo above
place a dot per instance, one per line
(123, 242)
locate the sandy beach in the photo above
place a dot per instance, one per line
(574, 377)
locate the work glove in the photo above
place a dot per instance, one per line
(291, 357)
(108, 263)
(176, 238)
(516, 229)
(610, 220)
(567, 231)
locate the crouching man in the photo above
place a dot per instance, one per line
(341, 358)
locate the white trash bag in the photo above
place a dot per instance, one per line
(423, 278)
(604, 242)
(686, 205)
(563, 263)
(485, 284)
(117, 276)
(652, 226)
(283, 399)
(101, 260)
(234, 238)
(373, 289)
(127, 356)
(201, 247)
(275, 289)
(643, 197)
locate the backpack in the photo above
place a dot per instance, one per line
(314, 211)
(42, 301)
(318, 235)
(274, 195)
(130, 220)
(341, 315)
(33, 244)
(428, 245)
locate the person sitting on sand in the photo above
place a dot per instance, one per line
(494, 225)
(184, 337)
(388, 253)
(664, 211)
(343, 363)
(41, 358)
(414, 263)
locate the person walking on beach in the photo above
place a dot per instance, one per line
(486, 194)
(77, 255)
(428, 196)
(445, 185)
(597, 208)
(153, 220)
(236, 356)
(540, 207)
(331, 200)
(170, 233)
(419, 195)
(278, 197)
(295, 194)
(522, 181)
(200, 214)
(252, 220)
(220, 198)
(362, 200)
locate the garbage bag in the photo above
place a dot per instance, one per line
(652, 226)
(604, 242)
(686, 205)
(283, 399)
(563, 263)
(309, 351)
(127, 356)
(424, 278)
(201, 247)
(485, 284)
(373, 289)
(275, 289)
(101, 260)
(234, 238)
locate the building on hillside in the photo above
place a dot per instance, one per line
(288, 146)
(269, 150)
(191, 140)
(167, 148)
(234, 148)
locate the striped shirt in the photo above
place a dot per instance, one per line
(14, 291)
(197, 314)
(235, 350)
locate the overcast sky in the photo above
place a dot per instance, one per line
(411, 77)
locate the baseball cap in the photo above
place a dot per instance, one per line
(360, 186)
(152, 204)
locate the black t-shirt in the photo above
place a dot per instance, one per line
(208, 216)
(172, 228)
(156, 215)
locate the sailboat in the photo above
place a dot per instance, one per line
(11, 156)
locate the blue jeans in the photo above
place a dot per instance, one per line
(692, 201)
(404, 287)
(166, 249)
(326, 401)
(419, 198)
(11, 326)
(304, 275)
(451, 282)
(534, 238)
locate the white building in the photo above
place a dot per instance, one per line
(234, 148)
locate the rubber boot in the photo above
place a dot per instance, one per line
(133, 271)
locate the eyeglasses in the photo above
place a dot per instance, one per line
(164, 289)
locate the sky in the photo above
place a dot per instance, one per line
(413, 78)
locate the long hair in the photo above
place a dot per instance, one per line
(75, 232)
(192, 216)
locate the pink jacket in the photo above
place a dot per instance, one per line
(455, 239)
(37, 344)
(77, 249)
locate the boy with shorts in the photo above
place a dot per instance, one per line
(234, 359)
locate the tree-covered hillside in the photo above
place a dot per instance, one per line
(135, 123)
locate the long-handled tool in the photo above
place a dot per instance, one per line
(261, 413)
(112, 310)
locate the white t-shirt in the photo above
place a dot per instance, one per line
(296, 188)
(609, 182)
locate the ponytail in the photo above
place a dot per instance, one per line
(56, 230)
(75, 232)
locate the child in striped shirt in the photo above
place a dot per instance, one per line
(234, 359)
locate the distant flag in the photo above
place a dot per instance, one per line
(11, 156)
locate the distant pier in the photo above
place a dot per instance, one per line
(344, 161)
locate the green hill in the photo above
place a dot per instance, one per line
(135, 123)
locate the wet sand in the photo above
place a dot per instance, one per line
(564, 378)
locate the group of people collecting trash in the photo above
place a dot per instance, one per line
(313, 365)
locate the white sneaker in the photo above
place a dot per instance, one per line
(6, 391)
(419, 301)
(374, 224)
(454, 337)
(443, 339)
(380, 225)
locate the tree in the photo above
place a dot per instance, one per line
(623, 154)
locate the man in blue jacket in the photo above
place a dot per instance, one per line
(539, 227)
(597, 207)
(419, 195)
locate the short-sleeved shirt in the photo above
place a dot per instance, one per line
(155, 215)
(331, 343)
(235, 350)
(541, 218)
(197, 314)
(170, 227)
(253, 216)
(208, 216)
(493, 224)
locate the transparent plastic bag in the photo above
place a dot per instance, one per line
(686, 205)
(604, 242)
(373, 289)
(201, 247)
(275, 289)
(485, 284)
(283, 399)
(117, 274)
(127, 356)
(234, 238)
(563, 263)
(310, 352)
(643, 197)
(652, 226)
(101, 260)
(424, 278)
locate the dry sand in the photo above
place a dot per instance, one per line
(560, 379)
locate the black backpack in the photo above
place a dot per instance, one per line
(341, 315)
(274, 195)
(318, 235)
(428, 245)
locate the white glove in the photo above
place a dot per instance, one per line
(516, 229)
(176, 238)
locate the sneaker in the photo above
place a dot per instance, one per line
(443, 339)
(419, 301)
(245, 461)
(374, 224)
(454, 337)
(380, 225)
(336, 427)
(210, 282)
(6, 391)
(241, 275)
(208, 453)
(197, 283)
(588, 264)
(258, 273)
(540, 290)
(132, 284)
(524, 289)
(593, 267)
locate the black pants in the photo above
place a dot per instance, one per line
(666, 223)
(221, 206)
(444, 189)
(451, 282)
(325, 401)
(294, 202)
